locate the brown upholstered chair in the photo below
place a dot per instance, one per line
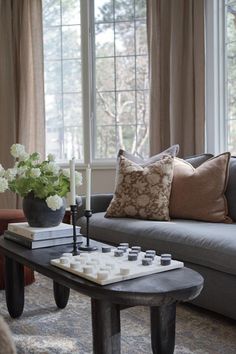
(7, 216)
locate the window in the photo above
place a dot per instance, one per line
(119, 73)
(220, 76)
(121, 78)
(230, 60)
(62, 76)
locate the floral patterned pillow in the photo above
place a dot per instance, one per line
(142, 192)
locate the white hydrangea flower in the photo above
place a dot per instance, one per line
(54, 202)
(66, 172)
(10, 174)
(24, 156)
(17, 150)
(35, 172)
(51, 157)
(2, 171)
(21, 171)
(52, 167)
(78, 178)
(3, 184)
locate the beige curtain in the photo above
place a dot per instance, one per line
(177, 79)
(21, 81)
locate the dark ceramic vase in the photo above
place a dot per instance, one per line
(38, 214)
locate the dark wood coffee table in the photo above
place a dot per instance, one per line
(160, 292)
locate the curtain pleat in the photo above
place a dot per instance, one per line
(21, 81)
(177, 77)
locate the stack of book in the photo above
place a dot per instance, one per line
(39, 237)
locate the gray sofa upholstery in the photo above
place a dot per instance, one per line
(209, 248)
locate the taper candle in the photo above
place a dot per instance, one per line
(72, 181)
(88, 188)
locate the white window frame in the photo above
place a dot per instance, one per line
(88, 82)
(88, 94)
(216, 100)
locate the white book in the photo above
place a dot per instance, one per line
(42, 233)
(32, 244)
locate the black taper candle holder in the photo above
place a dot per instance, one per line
(73, 209)
(87, 247)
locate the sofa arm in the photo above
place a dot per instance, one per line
(99, 203)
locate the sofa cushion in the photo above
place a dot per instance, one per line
(142, 192)
(197, 160)
(207, 244)
(231, 189)
(172, 151)
(198, 194)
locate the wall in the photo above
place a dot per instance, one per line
(103, 181)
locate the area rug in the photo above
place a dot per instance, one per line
(43, 329)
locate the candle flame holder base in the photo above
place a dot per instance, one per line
(73, 209)
(88, 247)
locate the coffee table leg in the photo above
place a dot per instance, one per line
(163, 329)
(14, 285)
(106, 327)
(61, 295)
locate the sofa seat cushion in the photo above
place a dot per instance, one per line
(207, 244)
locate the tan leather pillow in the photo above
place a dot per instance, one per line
(142, 192)
(198, 194)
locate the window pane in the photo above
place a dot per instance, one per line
(142, 148)
(72, 76)
(53, 109)
(104, 37)
(125, 73)
(140, 9)
(232, 136)
(52, 43)
(52, 77)
(72, 109)
(54, 137)
(143, 107)
(231, 79)
(124, 38)
(142, 79)
(124, 10)
(106, 142)
(141, 37)
(105, 74)
(103, 10)
(231, 23)
(125, 107)
(70, 12)
(105, 105)
(73, 138)
(127, 137)
(71, 42)
(51, 12)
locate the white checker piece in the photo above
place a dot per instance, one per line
(105, 268)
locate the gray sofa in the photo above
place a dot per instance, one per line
(209, 248)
